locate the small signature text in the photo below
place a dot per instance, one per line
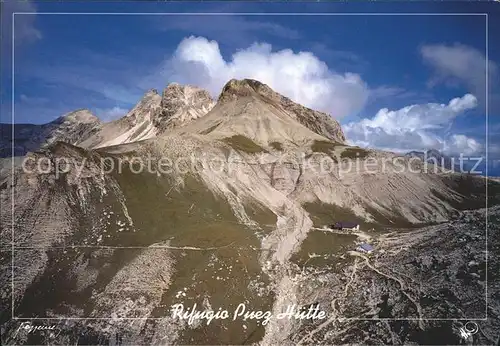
(30, 328)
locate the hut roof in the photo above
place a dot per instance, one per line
(366, 247)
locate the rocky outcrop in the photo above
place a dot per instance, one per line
(145, 109)
(318, 122)
(153, 115)
(180, 104)
(135, 126)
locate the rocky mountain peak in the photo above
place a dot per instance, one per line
(319, 122)
(186, 93)
(145, 108)
(181, 104)
(155, 113)
(245, 87)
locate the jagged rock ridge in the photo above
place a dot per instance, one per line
(153, 115)
(181, 104)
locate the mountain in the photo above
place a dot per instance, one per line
(229, 208)
(153, 114)
(320, 123)
(73, 127)
(182, 104)
(136, 125)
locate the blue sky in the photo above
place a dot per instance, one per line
(390, 80)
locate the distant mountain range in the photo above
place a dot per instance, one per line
(435, 157)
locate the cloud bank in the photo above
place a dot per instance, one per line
(416, 127)
(300, 76)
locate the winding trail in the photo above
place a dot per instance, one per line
(335, 317)
(399, 281)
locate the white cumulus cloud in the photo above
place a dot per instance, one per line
(301, 76)
(415, 127)
(462, 144)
